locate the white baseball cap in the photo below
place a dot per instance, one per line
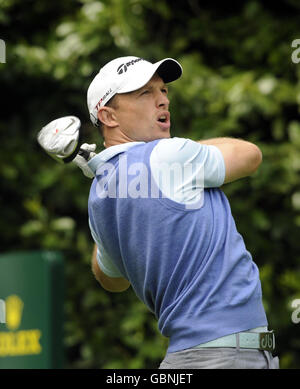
(126, 74)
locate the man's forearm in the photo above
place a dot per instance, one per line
(242, 158)
(118, 284)
(220, 141)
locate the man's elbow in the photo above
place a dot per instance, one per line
(117, 285)
(240, 161)
(114, 285)
(255, 159)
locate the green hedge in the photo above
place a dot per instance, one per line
(239, 80)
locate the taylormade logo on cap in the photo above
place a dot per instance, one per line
(126, 74)
(123, 68)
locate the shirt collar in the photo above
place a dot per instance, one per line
(108, 153)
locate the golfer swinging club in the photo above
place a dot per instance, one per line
(162, 225)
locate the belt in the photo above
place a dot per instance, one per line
(260, 341)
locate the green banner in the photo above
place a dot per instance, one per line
(31, 310)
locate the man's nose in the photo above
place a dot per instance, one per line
(163, 100)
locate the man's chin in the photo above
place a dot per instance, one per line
(154, 136)
(164, 135)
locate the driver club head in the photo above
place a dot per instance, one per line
(60, 138)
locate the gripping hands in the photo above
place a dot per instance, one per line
(86, 152)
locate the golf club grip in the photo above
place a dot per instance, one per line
(84, 153)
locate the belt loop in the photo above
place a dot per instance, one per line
(237, 336)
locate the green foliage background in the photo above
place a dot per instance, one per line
(239, 80)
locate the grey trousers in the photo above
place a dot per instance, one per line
(220, 358)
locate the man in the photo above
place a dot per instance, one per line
(162, 225)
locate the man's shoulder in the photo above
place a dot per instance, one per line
(175, 149)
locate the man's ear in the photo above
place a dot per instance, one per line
(107, 116)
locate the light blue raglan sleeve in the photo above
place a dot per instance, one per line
(103, 259)
(188, 152)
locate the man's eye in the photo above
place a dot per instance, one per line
(164, 90)
(145, 92)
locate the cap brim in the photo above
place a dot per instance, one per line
(168, 69)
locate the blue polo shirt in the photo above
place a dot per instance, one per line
(160, 220)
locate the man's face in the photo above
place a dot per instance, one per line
(143, 115)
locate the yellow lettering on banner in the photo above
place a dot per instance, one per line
(34, 337)
(26, 342)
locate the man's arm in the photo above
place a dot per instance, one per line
(241, 158)
(118, 284)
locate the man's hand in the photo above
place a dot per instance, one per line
(82, 163)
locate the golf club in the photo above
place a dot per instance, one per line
(61, 139)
